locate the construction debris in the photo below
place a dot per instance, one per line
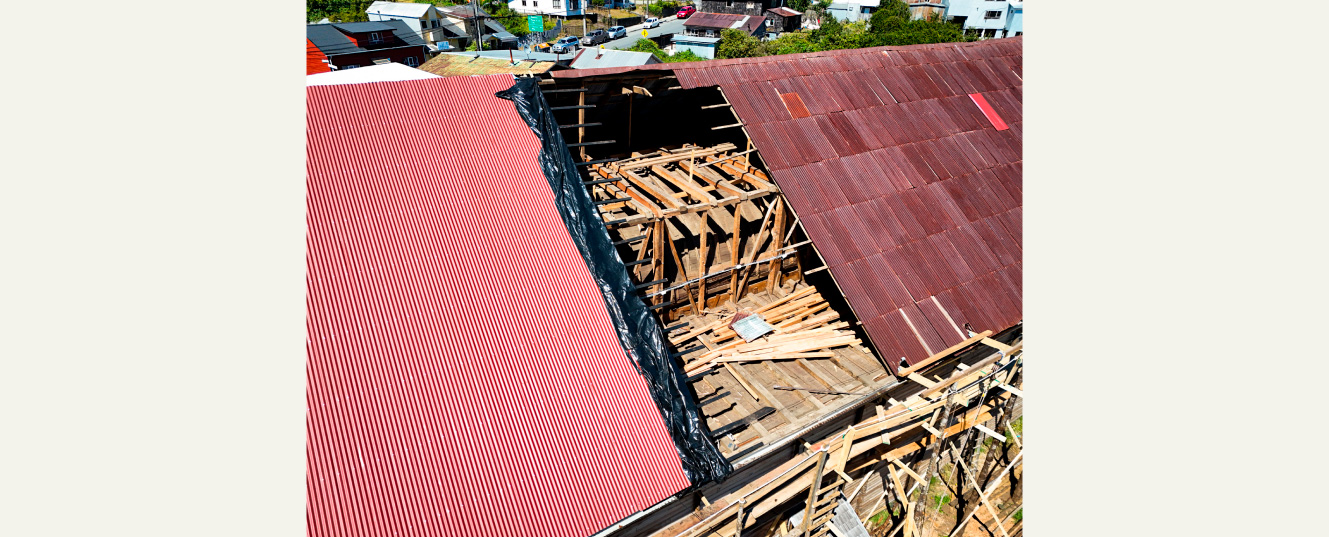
(803, 325)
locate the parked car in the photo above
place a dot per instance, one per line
(616, 32)
(594, 38)
(564, 45)
(686, 12)
(651, 23)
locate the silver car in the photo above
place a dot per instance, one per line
(616, 32)
(565, 45)
(651, 23)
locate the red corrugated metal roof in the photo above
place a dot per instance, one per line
(908, 167)
(463, 374)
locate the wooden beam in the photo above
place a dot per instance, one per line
(906, 371)
(812, 491)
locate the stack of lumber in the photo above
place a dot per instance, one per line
(805, 327)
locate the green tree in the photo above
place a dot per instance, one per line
(685, 56)
(799, 5)
(738, 44)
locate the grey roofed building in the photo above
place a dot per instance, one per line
(332, 39)
(357, 27)
(592, 58)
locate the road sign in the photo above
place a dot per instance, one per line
(645, 33)
(535, 23)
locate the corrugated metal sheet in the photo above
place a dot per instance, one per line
(463, 374)
(907, 166)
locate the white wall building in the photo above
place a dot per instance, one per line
(423, 18)
(553, 8)
(986, 18)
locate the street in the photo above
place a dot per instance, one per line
(669, 25)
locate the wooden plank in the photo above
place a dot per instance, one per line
(743, 382)
(994, 434)
(905, 371)
(1012, 389)
(997, 345)
(921, 380)
(812, 491)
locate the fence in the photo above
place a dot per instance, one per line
(540, 37)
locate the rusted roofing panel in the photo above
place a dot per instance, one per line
(437, 320)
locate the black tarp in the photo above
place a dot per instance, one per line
(637, 329)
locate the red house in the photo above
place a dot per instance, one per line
(356, 44)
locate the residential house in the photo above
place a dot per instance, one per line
(710, 24)
(465, 17)
(552, 8)
(853, 10)
(423, 18)
(782, 19)
(594, 58)
(928, 9)
(347, 45)
(701, 32)
(740, 7)
(987, 18)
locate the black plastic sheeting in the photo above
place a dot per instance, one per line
(637, 329)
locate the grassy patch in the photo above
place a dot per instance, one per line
(942, 501)
(881, 518)
(1019, 515)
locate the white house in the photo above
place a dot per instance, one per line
(553, 8)
(987, 18)
(423, 18)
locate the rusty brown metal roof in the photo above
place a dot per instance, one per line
(898, 173)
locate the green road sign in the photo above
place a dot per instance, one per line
(535, 23)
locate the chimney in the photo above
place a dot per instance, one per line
(600, 52)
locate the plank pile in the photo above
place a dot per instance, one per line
(805, 327)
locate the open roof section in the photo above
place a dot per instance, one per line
(463, 377)
(902, 180)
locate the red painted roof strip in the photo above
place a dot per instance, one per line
(988, 111)
(463, 376)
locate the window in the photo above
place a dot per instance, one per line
(349, 66)
(374, 38)
(710, 33)
(523, 3)
(992, 15)
(411, 61)
(558, 4)
(1018, 34)
(434, 23)
(990, 33)
(730, 3)
(422, 25)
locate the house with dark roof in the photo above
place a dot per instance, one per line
(782, 19)
(347, 45)
(423, 18)
(701, 32)
(739, 7)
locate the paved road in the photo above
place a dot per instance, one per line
(670, 25)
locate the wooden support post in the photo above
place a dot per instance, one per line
(657, 254)
(684, 271)
(701, 260)
(581, 120)
(812, 491)
(733, 254)
(773, 273)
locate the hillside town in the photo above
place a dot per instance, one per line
(720, 268)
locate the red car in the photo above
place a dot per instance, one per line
(686, 12)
